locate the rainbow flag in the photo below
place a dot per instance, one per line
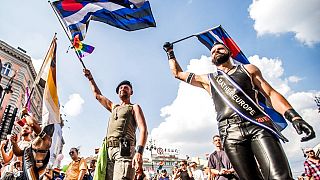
(82, 49)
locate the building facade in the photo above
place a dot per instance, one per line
(18, 63)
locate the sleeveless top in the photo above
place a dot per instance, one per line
(122, 116)
(242, 77)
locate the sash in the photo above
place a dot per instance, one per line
(241, 103)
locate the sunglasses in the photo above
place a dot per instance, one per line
(309, 151)
(182, 164)
(71, 152)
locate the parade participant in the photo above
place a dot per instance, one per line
(25, 141)
(122, 161)
(311, 165)
(77, 168)
(219, 163)
(248, 144)
(36, 155)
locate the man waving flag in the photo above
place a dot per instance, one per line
(129, 15)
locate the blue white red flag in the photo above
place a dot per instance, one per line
(218, 34)
(129, 15)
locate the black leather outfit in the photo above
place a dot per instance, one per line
(254, 152)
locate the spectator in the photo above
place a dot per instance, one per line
(197, 173)
(184, 172)
(77, 168)
(219, 163)
(163, 175)
(312, 165)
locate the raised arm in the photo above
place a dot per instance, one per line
(188, 77)
(143, 135)
(6, 157)
(280, 104)
(96, 91)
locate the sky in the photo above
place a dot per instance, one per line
(281, 37)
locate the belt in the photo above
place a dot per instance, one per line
(113, 143)
(234, 120)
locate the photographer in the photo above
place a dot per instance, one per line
(183, 172)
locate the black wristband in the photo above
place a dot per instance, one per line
(90, 79)
(171, 55)
(290, 114)
(140, 149)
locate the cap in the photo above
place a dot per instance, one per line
(125, 82)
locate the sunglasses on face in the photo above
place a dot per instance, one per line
(71, 152)
(182, 164)
(309, 151)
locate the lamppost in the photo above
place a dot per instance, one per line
(151, 146)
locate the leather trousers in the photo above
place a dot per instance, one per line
(254, 152)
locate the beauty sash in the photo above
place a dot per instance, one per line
(241, 103)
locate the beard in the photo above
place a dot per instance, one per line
(221, 59)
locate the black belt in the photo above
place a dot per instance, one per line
(233, 120)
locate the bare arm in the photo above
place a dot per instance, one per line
(96, 91)
(176, 70)
(15, 148)
(6, 157)
(143, 130)
(82, 173)
(278, 102)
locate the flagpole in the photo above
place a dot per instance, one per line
(41, 69)
(65, 30)
(182, 39)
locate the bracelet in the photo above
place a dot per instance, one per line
(171, 55)
(290, 114)
(90, 79)
(140, 149)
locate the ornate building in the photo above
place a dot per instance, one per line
(16, 61)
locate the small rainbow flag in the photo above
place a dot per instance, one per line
(82, 49)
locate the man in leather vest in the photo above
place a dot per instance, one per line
(123, 160)
(254, 151)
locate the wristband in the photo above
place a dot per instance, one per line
(290, 114)
(140, 149)
(90, 79)
(171, 55)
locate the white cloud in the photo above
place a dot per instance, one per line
(282, 16)
(74, 105)
(190, 121)
(294, 79)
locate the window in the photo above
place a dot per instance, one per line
(6, 69)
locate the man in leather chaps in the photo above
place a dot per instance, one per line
(36, 155)
(254, 151)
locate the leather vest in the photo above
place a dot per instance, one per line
(242, 77)
(122, 123)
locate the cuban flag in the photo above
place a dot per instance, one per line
(129, 15)
(218, 34)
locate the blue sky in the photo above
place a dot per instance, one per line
(280, 37)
